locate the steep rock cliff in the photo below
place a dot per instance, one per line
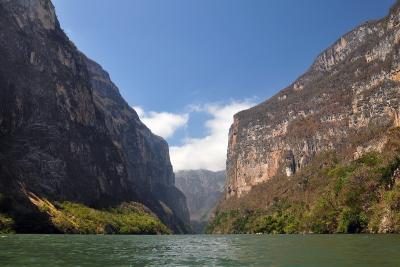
(344, 102)
(203, 189)
(65, 131)
(146, 155)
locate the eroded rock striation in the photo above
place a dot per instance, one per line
(203, 189)
(345, 100)
(66, 133)
(323, 155)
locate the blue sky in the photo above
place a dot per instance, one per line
(182, 62)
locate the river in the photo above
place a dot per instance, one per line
(200, 250)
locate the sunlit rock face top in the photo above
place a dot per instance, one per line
(352, 89)
(65, 131)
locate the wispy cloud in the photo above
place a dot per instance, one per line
(163, 124)
(208, 152)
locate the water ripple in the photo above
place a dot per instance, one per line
(200, 250)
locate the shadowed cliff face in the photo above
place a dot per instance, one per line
(146, 156)
(344, 102)
(65, 131)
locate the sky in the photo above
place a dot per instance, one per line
(187, 66)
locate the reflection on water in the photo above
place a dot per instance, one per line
(200, 250)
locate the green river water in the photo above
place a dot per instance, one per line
(200, 250)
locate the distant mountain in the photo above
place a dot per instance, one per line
(67, 135)
(203, 189)
(322, 155)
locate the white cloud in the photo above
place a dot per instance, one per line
(163, 124)
(208, 152)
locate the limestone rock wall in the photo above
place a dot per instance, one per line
(350, 92)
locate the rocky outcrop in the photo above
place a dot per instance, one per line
(203, 189)
(343, 102)
(65, 131)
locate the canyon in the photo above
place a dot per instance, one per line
(321, 156)
(203, 190)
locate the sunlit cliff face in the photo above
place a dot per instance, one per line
(351, 88)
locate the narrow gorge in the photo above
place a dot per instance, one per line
(203, 190)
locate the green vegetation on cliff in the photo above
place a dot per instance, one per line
(6, 224)
(329, 196)
(128, 218)
(74, 218)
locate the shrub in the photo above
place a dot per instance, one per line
(322, 218)
(6, 224)
(352, 221)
